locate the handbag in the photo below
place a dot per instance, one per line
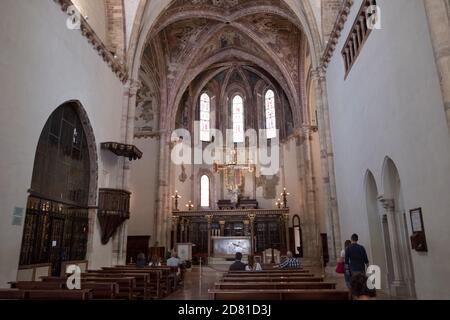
(340, 267)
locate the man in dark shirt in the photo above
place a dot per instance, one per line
(238, 265)
(356, 259)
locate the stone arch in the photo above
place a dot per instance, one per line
(402, 282)
(62, 210)
(378, 242)
(149, 11)
(212, 191)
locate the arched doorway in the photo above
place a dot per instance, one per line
(402, 283)
(379, 239)
(57, 217)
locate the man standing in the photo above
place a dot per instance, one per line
(356, 260)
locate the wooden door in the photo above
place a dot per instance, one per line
(136, 245)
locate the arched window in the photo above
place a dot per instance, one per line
(205, 117)
(270, 115)
(204, 191)
(57, 218)
(238, 119)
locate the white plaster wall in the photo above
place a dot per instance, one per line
(391, 105)
(95, 10)
(143, 187)
(43, 65)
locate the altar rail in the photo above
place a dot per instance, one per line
(235, 212)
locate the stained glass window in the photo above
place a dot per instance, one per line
(238, 119)
(204, 191)
(205, 117)
(270, 115)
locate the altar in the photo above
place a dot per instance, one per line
(227, 247)
(219, 234)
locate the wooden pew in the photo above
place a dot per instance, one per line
(12, 294)
(265, 275)
(272, 279)
(143, 279)
(274, 285)
(126, 286)
(63, 294)
(159, 282)
(165, 284)
(36, 285)
(273, 271)
(102, 290)
(277, 294)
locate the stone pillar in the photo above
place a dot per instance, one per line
(175, 220)
(128, 119)
(209, 221)
(327, 166)
(222, 227)
(439, 24)
(398, 282)
(251, 218)
(164, 200)
(309, 219)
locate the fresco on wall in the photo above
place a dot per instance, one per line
(269, 185)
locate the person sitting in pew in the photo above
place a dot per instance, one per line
(141, 261)
(155, 262)
(252, 265)
(290, 262)
(173, 261)
(238, 265)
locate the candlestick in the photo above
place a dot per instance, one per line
(284, 195)
(190, 205)
(278, 203)
(176, 197)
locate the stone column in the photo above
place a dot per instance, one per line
(439, 24)
(209, 221)
(251, 218)
(327, 164)
(175, 220)
(163, 202)
(222, 227)
(309, 219)
(398, 282)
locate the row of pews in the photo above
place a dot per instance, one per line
(109, 283)
(275, 285)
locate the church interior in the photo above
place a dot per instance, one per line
(210, 132)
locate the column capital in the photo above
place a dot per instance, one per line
(318, 74)
(209, 218)
(133, 86)
(252, 217)
(175, 220)
(387, 203)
